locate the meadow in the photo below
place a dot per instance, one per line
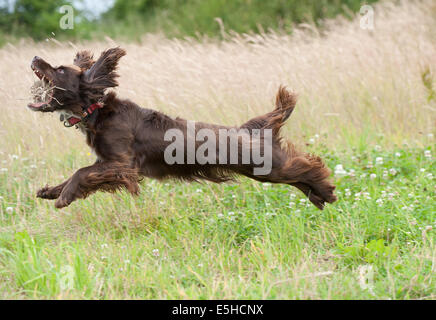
(367, 105)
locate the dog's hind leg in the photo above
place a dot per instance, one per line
(308, 173)
(305, 172)
(104, 176)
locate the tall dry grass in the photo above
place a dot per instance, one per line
(350, 81)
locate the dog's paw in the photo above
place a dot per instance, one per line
(325, 190)
(63, 201)
(46, 193)
(329, 195)
(317, 201)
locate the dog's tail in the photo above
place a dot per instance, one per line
(285, 104)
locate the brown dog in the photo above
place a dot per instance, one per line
(131, 142)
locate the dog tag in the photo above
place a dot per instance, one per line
(67, 124)
(62, 117)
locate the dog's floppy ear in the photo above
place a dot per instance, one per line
(84, 59)
(101, 75)
(104, 67)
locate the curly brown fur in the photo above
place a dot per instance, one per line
(129, 140)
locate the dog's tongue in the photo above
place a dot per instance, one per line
(36, 105)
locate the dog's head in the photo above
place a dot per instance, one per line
(73, 88)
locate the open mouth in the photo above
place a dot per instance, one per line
(42, 91)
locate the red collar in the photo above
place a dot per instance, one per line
(86, 113)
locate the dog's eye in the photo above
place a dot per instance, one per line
(60, 70)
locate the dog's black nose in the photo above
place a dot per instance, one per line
(34, 61)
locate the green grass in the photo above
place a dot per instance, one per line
(230, 241)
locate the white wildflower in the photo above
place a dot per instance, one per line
(379, 160)
(397, 154)
(339, 170)
(366, 195)
(377, 148)
(373, 176)
(393, 171)
(155, 252)
(427, 153)
(9, 210)
(357, 196)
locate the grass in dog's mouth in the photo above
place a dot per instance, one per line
(42, 94)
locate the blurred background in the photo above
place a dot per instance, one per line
(130, 19)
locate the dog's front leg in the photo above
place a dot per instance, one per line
(51, 193)
(105, 176)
